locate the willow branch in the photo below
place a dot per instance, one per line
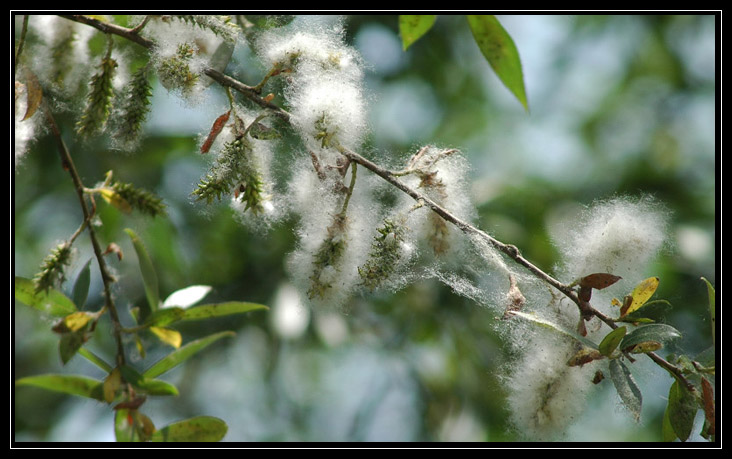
(252, 93)
(107, 278)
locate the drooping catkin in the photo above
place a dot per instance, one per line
(99, 100)
(134, 109)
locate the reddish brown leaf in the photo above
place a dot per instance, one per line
(35, 94)
(627, 301)
(598, 377)
(133, 404)
(215, 130)
(599, 281)
(585, 293)
(708, 396)
(583, 356)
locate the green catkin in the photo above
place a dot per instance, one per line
(175, 71)
(99, 101)
(384, 256)
(139, 199)
(52, 268)
(135, 106)
(329, 254)
(234, 173)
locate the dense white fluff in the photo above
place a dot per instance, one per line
(25, 131)
(545, 394)
(324, 85)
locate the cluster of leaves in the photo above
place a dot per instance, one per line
(645, 337)
(125, 388)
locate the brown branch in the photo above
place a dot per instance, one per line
(106, 27)
(107, 278)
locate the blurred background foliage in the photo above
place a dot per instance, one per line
(619, 105)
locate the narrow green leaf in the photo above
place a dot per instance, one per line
(67, 384)
(627, 389)
(661, 333)
(206, 311)
(178, 356)
(149, 278)
(198, 429)
(612, 340)
(80, 290)
(164, 317)
(413, 26)
(552, 326)
(711, 292)
(51, 302)
(681, 410)
(499, 49)
(145, 384)
(95, 359)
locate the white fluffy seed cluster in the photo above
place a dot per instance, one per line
(619, 236)
(324, 91)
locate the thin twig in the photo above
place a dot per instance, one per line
(107, 278)
(21, 42)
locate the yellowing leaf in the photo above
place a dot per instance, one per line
(77, 320)
(113, 198)
(641, 293)
(35, 94)
(112, 383)
(168, 336)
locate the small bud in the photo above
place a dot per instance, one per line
(515, 300)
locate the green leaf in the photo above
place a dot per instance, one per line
(164, 317)
(207, 311)
(95, 359)
(149, 278)
(413, 26)
(146, 384)
(499, 49)
(552, 326)
(132, 426)
(198, 429)
(647, 313)
(661, 333)
(69, 344)
(627, 389)
(612, 340)
(178, 356)
(681, 410)
(667, 431)
(51, 302)
(124, 426)
(711, 292)
(67, 384)
(80, 290)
